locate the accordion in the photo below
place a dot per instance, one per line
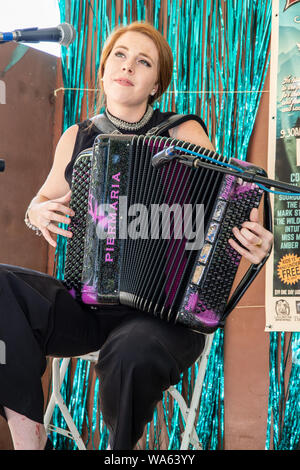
(156, 238)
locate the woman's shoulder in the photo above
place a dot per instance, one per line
(160, 116)
(85, 134)
(86, 126)
(77, 128)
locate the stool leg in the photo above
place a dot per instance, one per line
(185, 413)
(49, 413)
(58, 374)
(196, 395)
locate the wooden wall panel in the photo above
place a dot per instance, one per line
(27, 136)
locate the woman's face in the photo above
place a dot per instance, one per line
(131, 70)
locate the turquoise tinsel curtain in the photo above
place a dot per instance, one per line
(283, 427)
(221, 58)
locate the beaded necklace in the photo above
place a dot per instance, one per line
(130, 126)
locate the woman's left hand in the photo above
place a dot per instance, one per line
(254, 237)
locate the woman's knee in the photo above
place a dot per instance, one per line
(140, 355)
(4, 270)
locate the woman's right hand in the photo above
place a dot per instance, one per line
(46, 215)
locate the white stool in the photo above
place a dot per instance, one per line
(189, 436)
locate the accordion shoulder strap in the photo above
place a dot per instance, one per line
(106, 127)
(166, 125)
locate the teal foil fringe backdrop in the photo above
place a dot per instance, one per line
(283, 427)
(220, 51)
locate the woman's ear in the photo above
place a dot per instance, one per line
(154, 91)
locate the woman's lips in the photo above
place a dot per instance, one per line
(124, 82)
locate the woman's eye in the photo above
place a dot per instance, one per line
(118, 53)
(145, 62)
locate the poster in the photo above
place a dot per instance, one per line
(283, 267)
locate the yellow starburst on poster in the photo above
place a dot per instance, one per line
(288, 269)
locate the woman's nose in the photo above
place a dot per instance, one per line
(128, 66)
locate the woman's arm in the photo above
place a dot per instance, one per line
(256, 240)
(51, 202)
(193, 132)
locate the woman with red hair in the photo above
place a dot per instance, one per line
(141, 356)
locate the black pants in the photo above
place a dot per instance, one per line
(141, 356)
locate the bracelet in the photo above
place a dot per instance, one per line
(31, 226)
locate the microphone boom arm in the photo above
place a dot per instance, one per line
(169, 154)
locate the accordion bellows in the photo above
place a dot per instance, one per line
(155, 239)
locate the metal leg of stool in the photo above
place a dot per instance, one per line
(189, 428)
(58, 374)
(56, 370)
(185, 413)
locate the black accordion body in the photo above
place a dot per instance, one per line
(119, 253)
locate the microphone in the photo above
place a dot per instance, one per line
(164, 156)
(63, 33)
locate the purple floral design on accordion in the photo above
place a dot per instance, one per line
(96, 212)
(89, 293)
(89, 288)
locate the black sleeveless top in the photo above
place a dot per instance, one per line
(87, 133)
